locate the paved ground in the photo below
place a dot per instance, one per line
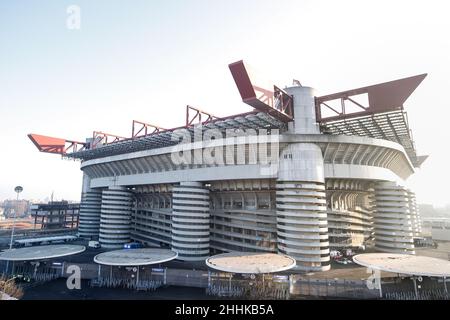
(348, 272)
(442, 251)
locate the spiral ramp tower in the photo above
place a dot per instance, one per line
(392, 222)
(90, 207)
(301, 208)
(190, 221)
(115, 220)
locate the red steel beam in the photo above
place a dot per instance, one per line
(197, 115)
(56, 145)
(104, 138)
(144, 127)
(382, 97)
(266, 98)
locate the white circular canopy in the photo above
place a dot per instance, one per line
(41, 252)
(405, 264)
(250, 262)
(135, 257)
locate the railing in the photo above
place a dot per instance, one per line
(436, 294)
(350, 289)
(141, 285)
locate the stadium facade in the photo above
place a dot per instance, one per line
(299, 175)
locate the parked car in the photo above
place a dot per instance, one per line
(349, 253)
(133, 245)
(344, 261)
(335, 254)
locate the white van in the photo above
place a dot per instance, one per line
(94, 244)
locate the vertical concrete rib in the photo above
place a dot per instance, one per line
(414, 211)
(392, 222)
(115, 217)
(190, 221)
(302, 228)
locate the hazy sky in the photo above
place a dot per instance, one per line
(146, 60)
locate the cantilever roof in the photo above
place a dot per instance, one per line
(41, 252)
(251, 120)
(391, 126)
(250, 262)
(135, 257)
(405, 264)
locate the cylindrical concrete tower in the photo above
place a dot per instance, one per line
(304, 110)
(302, 227)
(90, 206)
(392, 222)
(301, 207)
(115, 217)
(190, 221)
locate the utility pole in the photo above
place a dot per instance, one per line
(17, 190)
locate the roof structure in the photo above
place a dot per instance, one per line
(135, 257)
(251, 120)
(250, 262)
(391, 126)
(41, 252)
(405, 264)
(381, 116)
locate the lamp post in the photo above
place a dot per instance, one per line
(17, 190)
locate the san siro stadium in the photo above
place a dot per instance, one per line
(300, 174)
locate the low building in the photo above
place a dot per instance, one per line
(55, 215)
(440, 229)
(19, 207)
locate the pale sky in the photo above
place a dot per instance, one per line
(146, 60)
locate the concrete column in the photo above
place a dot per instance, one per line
(392, 219)
(301, 207)
(115, 221)
(89, 220)
(190, 221)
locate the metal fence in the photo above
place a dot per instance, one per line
(187, 278)
(332, 288)
(436, 294)
(127, 283)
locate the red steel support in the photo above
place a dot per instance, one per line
(104, 138)
(144, 127)
(190, 119)
(382, 97)
(56, 145)
(266, 98)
